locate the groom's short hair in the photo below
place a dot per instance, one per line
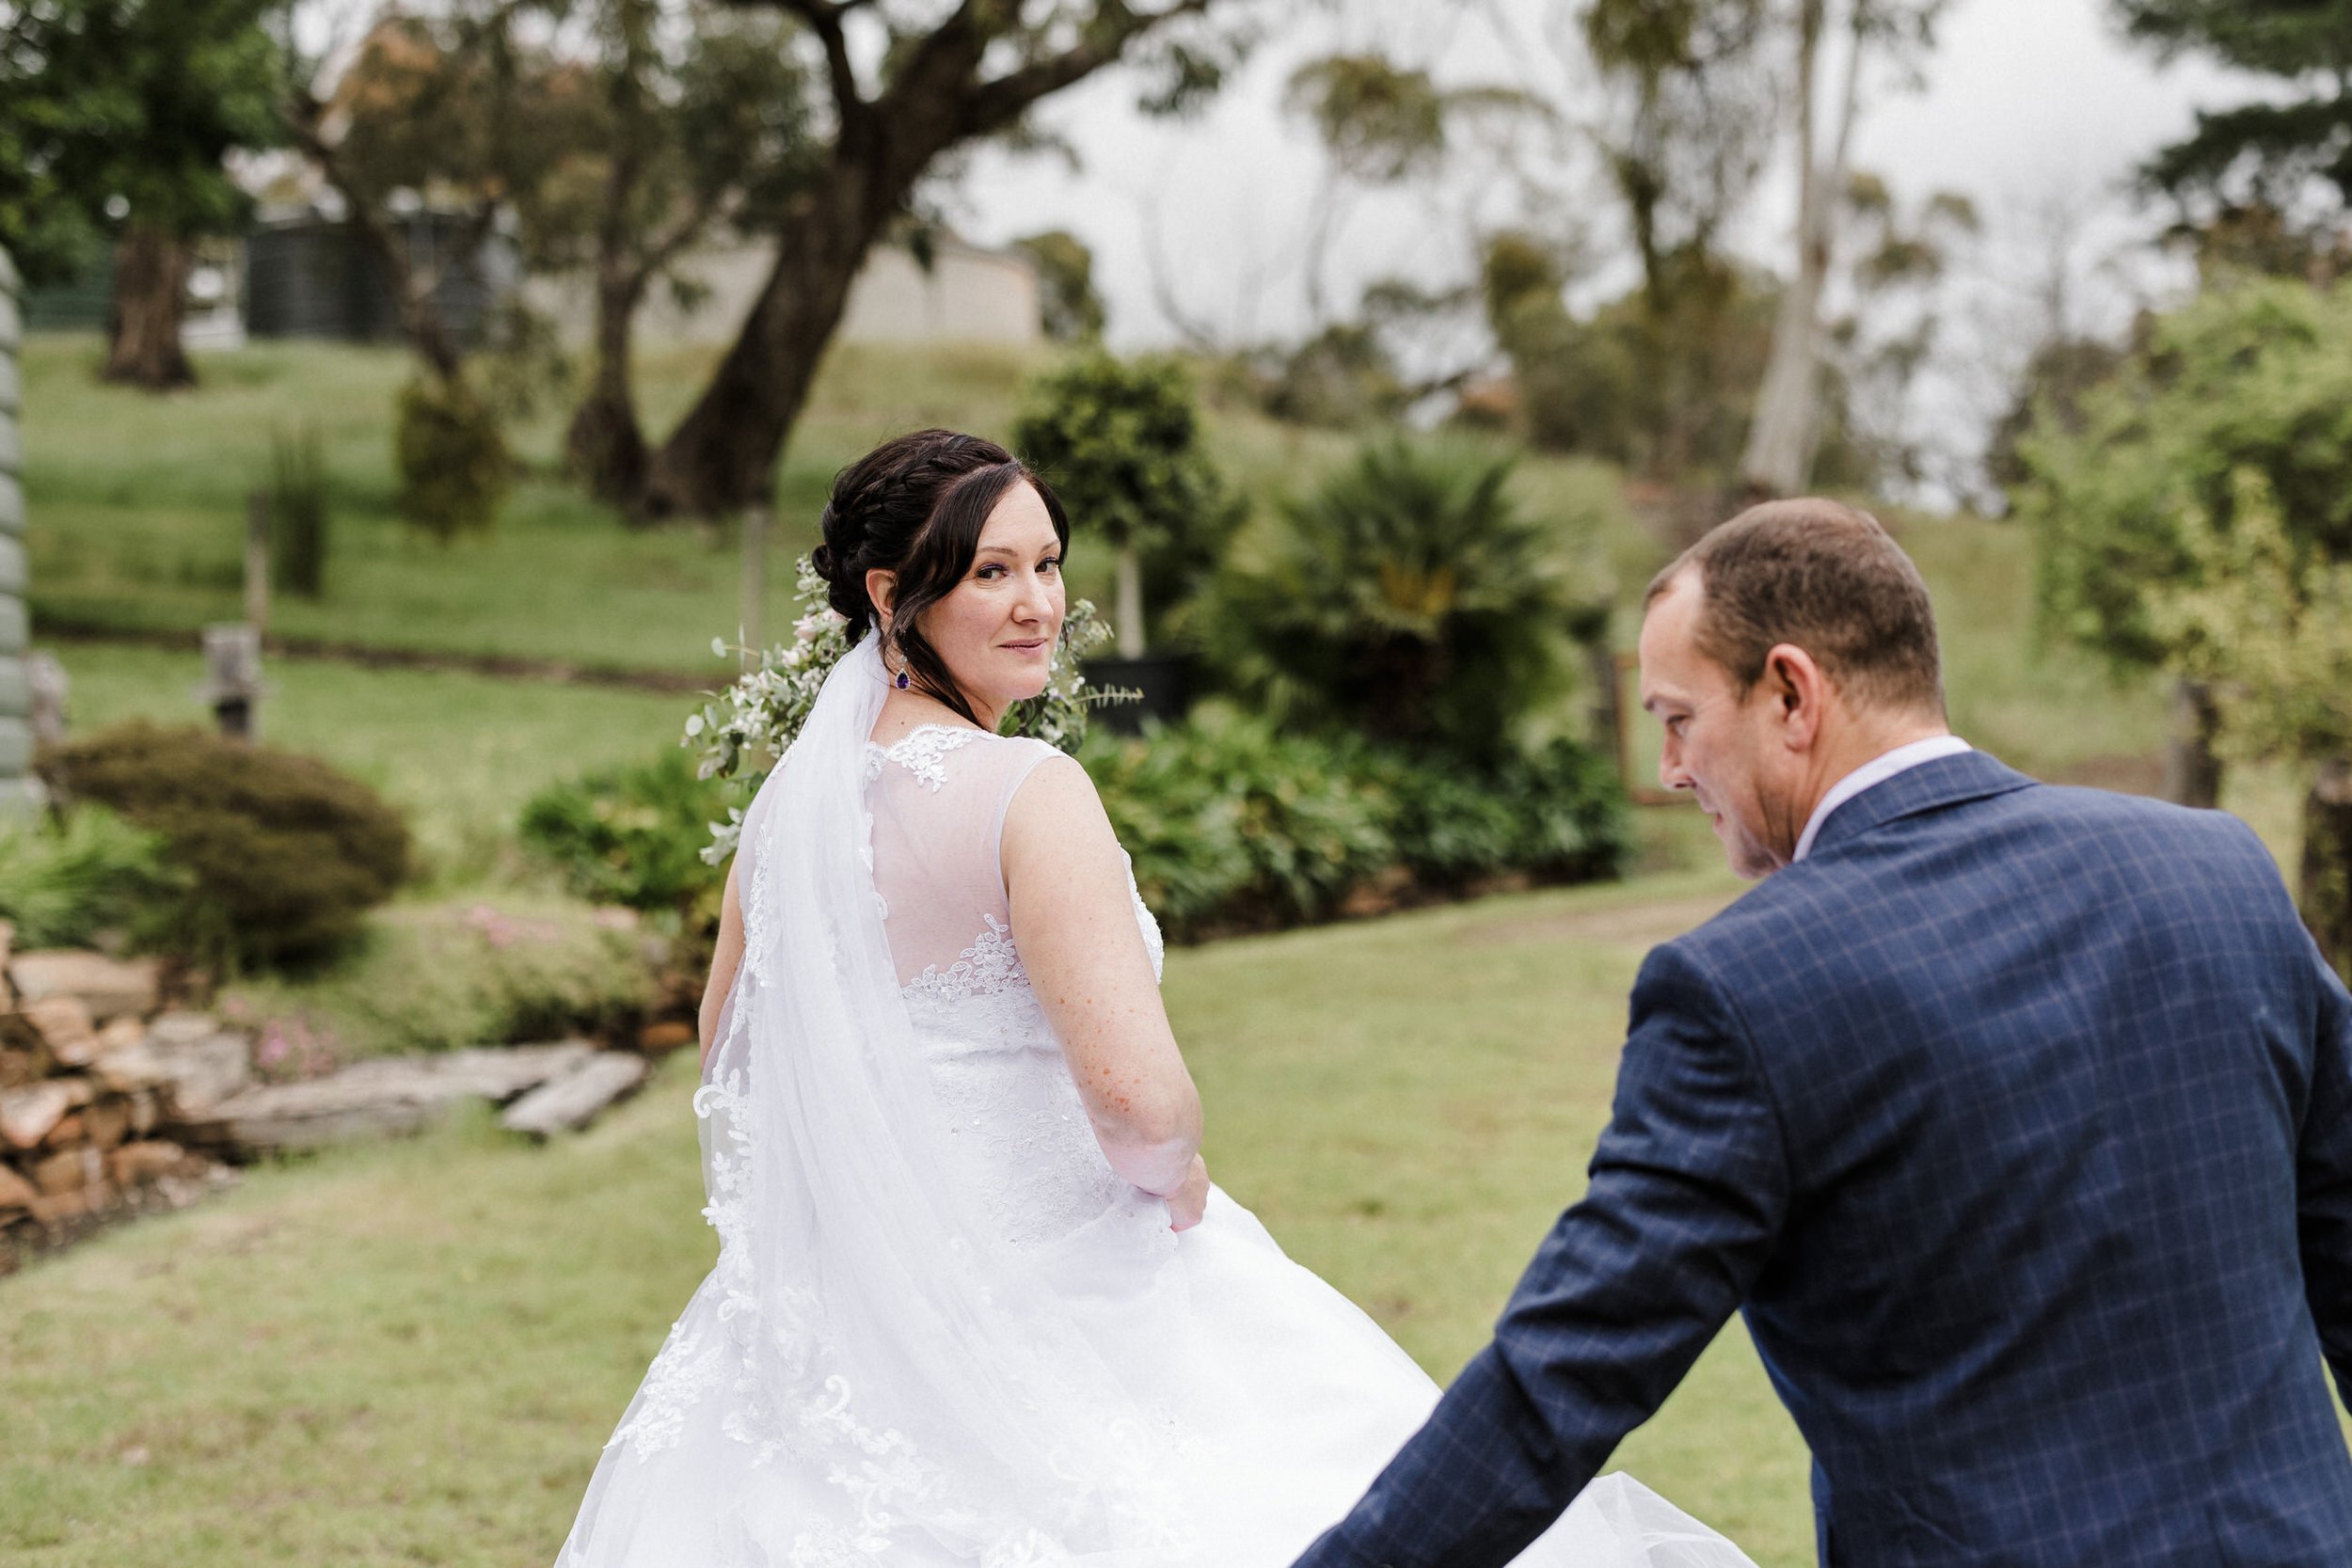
(1825, 577)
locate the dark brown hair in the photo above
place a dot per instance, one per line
(915, 506)
(1824, 577)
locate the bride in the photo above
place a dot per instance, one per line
(977, 1302)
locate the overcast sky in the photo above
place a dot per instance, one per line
(2029, 105)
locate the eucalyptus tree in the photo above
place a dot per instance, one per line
(1823, 112)
(117, 118)
(907, 84)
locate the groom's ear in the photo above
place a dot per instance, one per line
(1798, 690)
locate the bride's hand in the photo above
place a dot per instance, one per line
(1188, 1203)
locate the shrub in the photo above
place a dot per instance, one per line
(632, 835)
(284, 853)
(1406, 597)
(452, 460)
(1119, 442)
(1234, 825)
(64, 880)
(298, 517)
(1229, 822)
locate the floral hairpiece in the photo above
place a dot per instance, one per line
(743, 729)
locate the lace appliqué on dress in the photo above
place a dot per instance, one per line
(922, 751)
(989, 966)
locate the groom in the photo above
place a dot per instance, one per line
(2017, 1120)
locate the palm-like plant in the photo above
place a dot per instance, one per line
(1406, 597)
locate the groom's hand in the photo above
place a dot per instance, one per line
(1188, 1203)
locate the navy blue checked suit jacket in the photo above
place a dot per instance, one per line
(2018, 1121)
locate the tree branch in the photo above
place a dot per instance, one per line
(997, 104)
(824, 19)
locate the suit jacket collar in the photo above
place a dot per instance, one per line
(1945, 782)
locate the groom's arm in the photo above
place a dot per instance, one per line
(1690, 1186)
(2324, 1181)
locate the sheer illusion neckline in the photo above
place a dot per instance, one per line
(923, 751)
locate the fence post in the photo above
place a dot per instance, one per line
(233, 677)
(19, 792)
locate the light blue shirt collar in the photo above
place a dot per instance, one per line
(1876, 772)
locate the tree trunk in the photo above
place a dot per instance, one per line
(722, 456)
(2325, 886)
(1787, 428)
(143, 322)
(605, 446)
(2192, 774)
(1128, 600)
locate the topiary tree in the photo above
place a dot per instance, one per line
(285, 854)
(1120, 441)
(1407, 597)
(2237, 417)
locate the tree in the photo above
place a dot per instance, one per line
(701, 121)
(973, 74)
(1120, 441)
(2238, 411)
(457, 113)
(2264, 621)
(115, 120)
(1071, 306)
(1787, 424)
(2270, 153)
(1381, 123)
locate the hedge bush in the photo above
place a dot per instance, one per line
(632, 835)
(285, 854)
(1235, 825)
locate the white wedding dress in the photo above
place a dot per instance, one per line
(1222, 1406)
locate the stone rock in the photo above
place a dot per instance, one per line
(145, 1111)
(191, 1072)
(136, 1165)
(108, 987)
(107, 1122)
(18, 1067)
(181, 1028)
(67, 1132)
(669, 1035)
(65, 1028)
(26, 1115)
(15, 1193)
(59, 1207)
(68, 1170)
(370, 1098)
(123, 1033)
(571, 1102)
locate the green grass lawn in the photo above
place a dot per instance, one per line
(137, 503)
(411, 1353)
(457, 753)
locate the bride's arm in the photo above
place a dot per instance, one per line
(724, 961)
(1073, 920)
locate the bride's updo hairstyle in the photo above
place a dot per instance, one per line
(915, 506)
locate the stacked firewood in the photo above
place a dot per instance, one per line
(95, 1075)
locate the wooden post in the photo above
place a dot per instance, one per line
(257, 562)
(750, 632)
(233, 678)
